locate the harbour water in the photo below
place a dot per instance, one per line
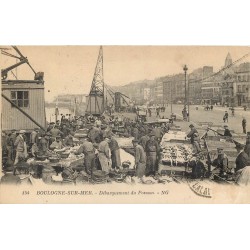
(50, 113)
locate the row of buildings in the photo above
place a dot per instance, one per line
(229, 87)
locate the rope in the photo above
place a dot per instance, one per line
(223, 69)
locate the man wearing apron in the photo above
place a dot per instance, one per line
(152, 152)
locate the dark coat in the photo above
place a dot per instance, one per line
(191, 134)
(227, 132)
(242, 160)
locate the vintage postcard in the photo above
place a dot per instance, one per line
(125, 124)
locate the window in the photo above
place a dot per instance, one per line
(239, 88)
(243, 88)
(20, 98)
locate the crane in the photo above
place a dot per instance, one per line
(22, 60)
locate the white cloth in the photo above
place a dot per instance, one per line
(243, 177)
(127, 157)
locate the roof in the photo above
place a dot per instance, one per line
(243, 67)
(22, 84)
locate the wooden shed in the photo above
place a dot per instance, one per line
(26, 96)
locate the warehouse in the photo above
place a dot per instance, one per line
(28, 96)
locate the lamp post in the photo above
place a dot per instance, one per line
(171, 102)
(185, 68)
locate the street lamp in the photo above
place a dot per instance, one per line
(171, 101)
(185, 68)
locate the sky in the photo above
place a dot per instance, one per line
(70, 69)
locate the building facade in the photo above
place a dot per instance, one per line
(242, 75)
(27, 96)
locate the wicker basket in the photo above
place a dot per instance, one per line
(53, 160)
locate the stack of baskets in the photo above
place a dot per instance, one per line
(100, 176)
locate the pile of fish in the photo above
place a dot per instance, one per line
(176, 155)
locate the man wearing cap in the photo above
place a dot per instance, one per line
(194, 138)
(143, 140)
(34, 136)
(135, 132)
(152, 151)
(242, 159)
(68, 141)
(11, 152)
(198, 168)
(93, 134)
(20, 146)
(221, 162)
(225, 117)
(55, 131)
(115, 154)
(227, 131)
(43, 143)
(10, 140)
(157, 132)
(57, 144)
(65, 131)
(98, 122)
(34, 149)
(140, 159)
(247, 147)
(104, 155)
(87, 148)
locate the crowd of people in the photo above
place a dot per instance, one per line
(100, 147)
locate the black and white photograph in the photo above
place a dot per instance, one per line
(134, 122)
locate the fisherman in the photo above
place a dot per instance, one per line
(198, 168)
(149, 112)
(227, 131)
(98, 122)
(143, 140)
(152, 151)
(11, 152)
(65, 131)
(9, 178)
(115, 154)
(140, 159)
(225, 117)
(68, 141)
(43, 143)
(104, 155)
(55, 131)
(4, 143)
(87, 148)
(22, 167)
(194, 138)
(135, 132)
(157, 132)
(221, 162)
(93, 134)
(242, 159)
(107, 131)
(57, 144)
(34, 149)
(244, 125)
(184, 113)
(21, 147)
(247, 147)
(34, 136)
(10, 140)
(157, 112)
(232, 109)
